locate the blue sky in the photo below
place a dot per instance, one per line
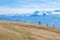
(31, 3)
(16, 5)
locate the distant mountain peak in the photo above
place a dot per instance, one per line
(35, 13)
(57, 11)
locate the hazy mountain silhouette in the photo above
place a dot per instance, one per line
(35, 13)
(57, 11)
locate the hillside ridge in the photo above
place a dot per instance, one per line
(27, 31)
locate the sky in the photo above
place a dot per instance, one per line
(27, 6)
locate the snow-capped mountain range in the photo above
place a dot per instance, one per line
(52, 18)
(54, 12)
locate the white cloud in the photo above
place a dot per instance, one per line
(58, 13)
(9, 10)
(56, 3)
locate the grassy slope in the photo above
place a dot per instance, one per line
(24, 31)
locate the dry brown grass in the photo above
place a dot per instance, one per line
(26, 31)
